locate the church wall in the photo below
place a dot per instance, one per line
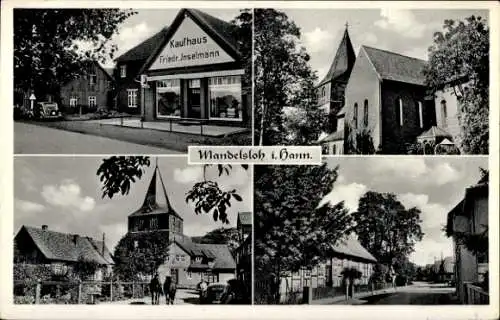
(364, 84)
(449, 123)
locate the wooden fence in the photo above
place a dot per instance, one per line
(475, 294)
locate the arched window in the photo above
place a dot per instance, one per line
(400, 108)
(420, 114)
(365, 113)
(444, 114)
(355, 117)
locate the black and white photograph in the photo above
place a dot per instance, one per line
(373, 231)
(127, 81)
(130, 231)
(373, 81)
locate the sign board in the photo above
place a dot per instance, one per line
(190, 46)
(32, 97)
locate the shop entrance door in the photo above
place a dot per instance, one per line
(194, 99)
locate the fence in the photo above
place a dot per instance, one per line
(77, 292)
(475, 295)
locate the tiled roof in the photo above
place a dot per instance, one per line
(219, 252)
(343, 62)
(433, 133)
(68, 247)
(223, 28)
(350, 246)
(156, 200)
(336, 136)
(244, 218)
(396, 67)
(144, 49)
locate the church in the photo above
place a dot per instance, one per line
(378, 102)
(187, 262)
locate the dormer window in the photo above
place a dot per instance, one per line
(197, 259)
(123, 71)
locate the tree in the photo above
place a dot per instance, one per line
(291, 229)
(229, 236)
(386, 228)
(461, 52)
(282, 79)
(137, 255)
(52, 46)
(243, 35)
(359, 141)
(85, 268)
(117, 173)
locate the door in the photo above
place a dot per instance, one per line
(194, 99)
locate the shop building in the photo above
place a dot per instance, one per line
(193, 72)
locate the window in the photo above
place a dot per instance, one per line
(153, 223)
(168, 98)
(400, 102)
(189, 275)
(73, 101)
(132, 98)
(334, 149)
(325, 148)
(365, 113)
(92, 79)
(355, 118)
(420, 114)
(123, 71)
(92, 101)
(444, 114)
(225, 98)
(177, 258)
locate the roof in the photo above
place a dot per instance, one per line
(156, 200)
(342, 62)
(144, 49)
(396, 67)
(109, 71)
(433, 133)
(219, 30)
(244, 218)
(219, 252)
(336, 136)
(68, 247)
(350, 246)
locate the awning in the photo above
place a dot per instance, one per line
(197, 75)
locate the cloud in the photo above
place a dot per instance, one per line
(444, 173)
(28, 206)
(131, 36)
(189, 174)
(368, 38)
(349, 193)
(67, 194)
(316, 39)
(401, 21)
(417, 52)
(237, 177)
(113, 232)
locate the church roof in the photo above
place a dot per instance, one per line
(156, 200)
(68, 247)
(396, 67)
(343, 62)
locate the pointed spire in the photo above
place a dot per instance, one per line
(156, 196)
(343, 61)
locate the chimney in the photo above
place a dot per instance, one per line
(45, 227)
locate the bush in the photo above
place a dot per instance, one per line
(24, 299)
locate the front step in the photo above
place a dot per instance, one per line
(189, 122)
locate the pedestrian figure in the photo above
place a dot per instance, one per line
(155, 289)
(169, 287)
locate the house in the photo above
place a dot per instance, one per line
(92, 90)
(469, 218)
(244, 251)
(187, 262)
(331, 89)
(347, 253)
(60, 250)
(192, 71)
(386, 100)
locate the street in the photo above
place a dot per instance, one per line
(419, 293)
(182, 296)
(34, 139)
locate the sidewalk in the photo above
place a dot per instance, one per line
(356, 300)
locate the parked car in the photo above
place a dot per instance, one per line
(236, 293)
(47, 110)
(213, 294)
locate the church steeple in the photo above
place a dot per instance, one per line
(342, 63)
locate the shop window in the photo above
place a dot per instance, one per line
(225, 98)
(355, 119)
(168, 98)
(73, 101)
(365, 113)
(123, 71)
(132, 98)
(92, 101)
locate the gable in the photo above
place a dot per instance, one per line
(190, 46)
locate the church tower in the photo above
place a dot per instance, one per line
(331, 89)
(156, 213)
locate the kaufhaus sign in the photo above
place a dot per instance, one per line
(190, 46)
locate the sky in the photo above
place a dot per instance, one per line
(408, 32)
(434, 185)
(147, 22)
(65, 194)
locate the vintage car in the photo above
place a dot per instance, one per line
(213, 293)
(47, 110)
